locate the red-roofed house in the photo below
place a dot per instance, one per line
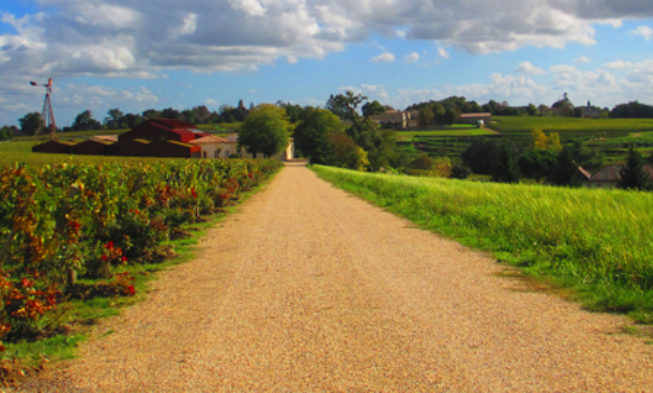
(164, 129)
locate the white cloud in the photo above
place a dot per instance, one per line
(385, 57)
(412, 57)
(618, 64)
(443, 53)
(211, 102)
(526, 67)
(582, 59)
(189, 24)
(644, 31)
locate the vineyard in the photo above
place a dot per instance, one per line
(597, 242)
(71, 230)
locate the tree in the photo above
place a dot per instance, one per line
(31, 123)
(150, 114)
(632, 109)
(115, 119)
(346, 153)
(541, 141)
(265, 131)
(505, 168)
(170, 113)
(423, 162)
(346, 106)
(372, 108)
(566, 171)
(7, 132)
(564, 107)
(632, 174)
(85, 121)
(585, 157)
(426, 116)
(312, 135)
(459, 171)
(481, 155)
(537, 164)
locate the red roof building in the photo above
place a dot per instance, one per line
(164, 129)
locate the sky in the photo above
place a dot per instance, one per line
(136, 55)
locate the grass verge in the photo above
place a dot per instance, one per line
(596, 242)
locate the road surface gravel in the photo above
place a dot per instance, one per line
(310, 289)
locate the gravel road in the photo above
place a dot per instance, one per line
(309, 289)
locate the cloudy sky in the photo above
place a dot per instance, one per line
(143, 54)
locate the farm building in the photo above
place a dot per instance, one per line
(134, 148)
(53, 146)
(158, 138)
(608, 177)
(476, 118)
(94, 146)
(213, 146)
(397, 119)
(164, 129)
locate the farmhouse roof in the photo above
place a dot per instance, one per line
(110, 138)
(208, 140)
(480, 114)
(231, 138)
(607, 174)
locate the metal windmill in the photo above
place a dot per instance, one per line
(47, 115)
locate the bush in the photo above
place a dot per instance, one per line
(65, 220)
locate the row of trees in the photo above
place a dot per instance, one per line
(31, 123)
(547, 160)
(446, 111)
(338, 135)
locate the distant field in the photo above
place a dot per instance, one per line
(459, 131)
(597, 242)
(566, 125)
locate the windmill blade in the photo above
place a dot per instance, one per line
(33, 83)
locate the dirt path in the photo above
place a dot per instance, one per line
(308, 289)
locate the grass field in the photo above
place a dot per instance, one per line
(463, 131)
(569, 126)
(597, 242)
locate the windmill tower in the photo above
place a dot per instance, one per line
(47, 115)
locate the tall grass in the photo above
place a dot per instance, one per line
(598, 242)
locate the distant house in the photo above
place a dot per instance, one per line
(164, 129)
(397, 119)
(476, 118)
(609, 176)
(213, 146)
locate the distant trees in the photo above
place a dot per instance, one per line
(115, 119)
(312, 135)
(265, 131)
(372, 108)
(85, 121)
(632, 109)
(564, 106)
(7, 132)
(481, 155)
(379, 144)
(31, 123)
(632, 175)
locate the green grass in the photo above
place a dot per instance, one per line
(569, 125)
(596, 242)
(466, 131)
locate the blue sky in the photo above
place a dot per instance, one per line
(105, 54)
